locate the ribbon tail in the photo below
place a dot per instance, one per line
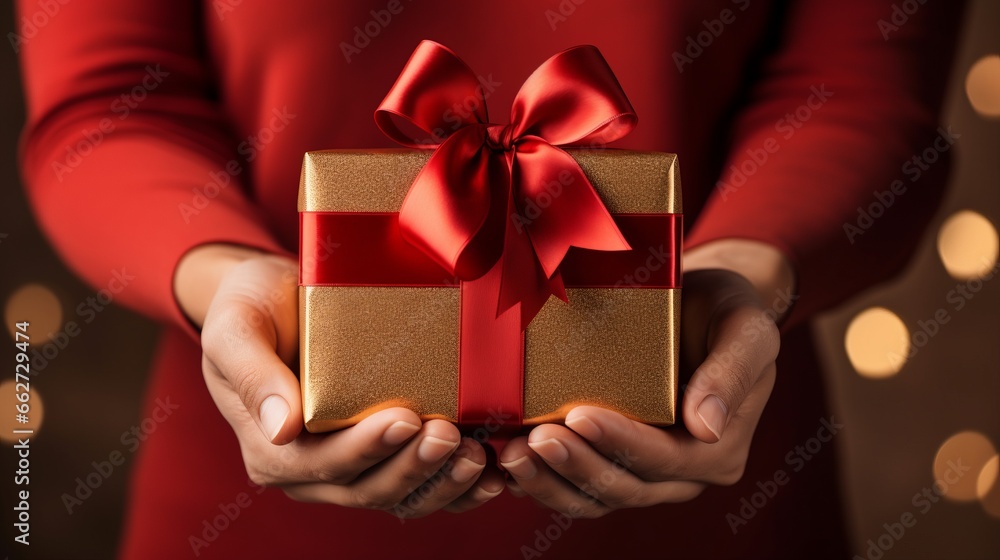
(523, 281)
(563, 208)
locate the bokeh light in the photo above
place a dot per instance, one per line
(8, 421)
(959, 463)
(982, 86)
(968, 245)
(988, 476)
(987, 487)
(39, 306)
(877, 343)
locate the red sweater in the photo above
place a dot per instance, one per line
(159, 125)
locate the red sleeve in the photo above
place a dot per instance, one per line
(849, 97)
(124, 149)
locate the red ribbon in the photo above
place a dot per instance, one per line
(368, 249)
(467, 208)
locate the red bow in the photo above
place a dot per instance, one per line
(469, 206)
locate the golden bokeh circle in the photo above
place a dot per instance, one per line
(982, 86)
(959, 463)
(968, 245)
(877, 343)
(988, 476)
(987, 487)
(38, 305)
(8, 420)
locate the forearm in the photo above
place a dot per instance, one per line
(833, 119)
(125, 192)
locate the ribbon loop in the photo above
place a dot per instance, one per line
(484, 194)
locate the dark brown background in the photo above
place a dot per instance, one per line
(894, 427)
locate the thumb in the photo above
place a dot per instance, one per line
(742, 343)
(247, 379)
(250, 322)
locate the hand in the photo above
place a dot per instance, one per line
(389, 461)
(601, 461)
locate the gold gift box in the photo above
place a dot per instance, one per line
(365, 349)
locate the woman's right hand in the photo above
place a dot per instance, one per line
(389, 461)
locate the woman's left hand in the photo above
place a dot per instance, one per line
(601, 461)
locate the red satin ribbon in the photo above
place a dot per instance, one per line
(466, 208)
(368, 249)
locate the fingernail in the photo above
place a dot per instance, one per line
(713, 413)
(399, 432)
(482, 495)
(432, 449)
(464, 469)
(273, 412)
(585, 427)
(521, 468)
(552, 450)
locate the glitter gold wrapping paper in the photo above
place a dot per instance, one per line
(364, 349)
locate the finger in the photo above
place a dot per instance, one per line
(545, 485)
(336, 458)
(652, 453)
(489, 485)
(385, 485)
(239, 348)
(742, 343)
(455, 478)
(606, 480)
(515, 489)
(658, 455)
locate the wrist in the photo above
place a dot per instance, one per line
(199, 273)
(764, 266)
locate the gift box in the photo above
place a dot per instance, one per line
(426, 276)
(369, 347)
